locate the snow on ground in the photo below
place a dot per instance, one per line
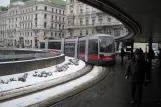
(31, 80)
(55, 91)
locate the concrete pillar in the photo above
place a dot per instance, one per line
(62, 45)
(46, 44)
(132, 47)
(150, 40)
(76, 47)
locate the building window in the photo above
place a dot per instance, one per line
(52, 26)
(63, 12)
(51, 34)
(60, 11)
(28, 34)
(93, 20)
(71, 1)
(55, 17)
(59, 26)
(55, 34)
(63, 19)
(36, 7)
(45, 24)
(109, 19)
(93, 31)
(56, 10)
(36, 16)
(36, 24)
(71, 9)
(31, 33)
(31, 42)
(87, 9)
(87, 20)
(52, 10)
(86, 32)
(59, 35)
(81, 9)
(52, 17)
(100, 19)
(44, 34)
(80, 33)
(59, 18)
(81, 21)
(55, 26)
(45, 16)
(45, 8)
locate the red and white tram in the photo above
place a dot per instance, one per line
(98, 49)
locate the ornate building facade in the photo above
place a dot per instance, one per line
(24, 24)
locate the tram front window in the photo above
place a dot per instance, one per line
(107, 45)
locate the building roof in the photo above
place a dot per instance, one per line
(59, 2)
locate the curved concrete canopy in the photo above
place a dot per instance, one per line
(142, 16)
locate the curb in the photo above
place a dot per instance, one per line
(7, 95)
(75, 90)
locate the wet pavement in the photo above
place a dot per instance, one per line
(114, 91)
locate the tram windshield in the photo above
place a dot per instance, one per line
(107, 45)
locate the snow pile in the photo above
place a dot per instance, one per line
(10, 82)
(66, 89)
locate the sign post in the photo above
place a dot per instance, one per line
(159, 45)
(130, 47)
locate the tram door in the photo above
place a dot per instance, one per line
(81, 48)
(93, 50)
(69, 48)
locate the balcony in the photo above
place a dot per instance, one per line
(93, 25)
(71, 15)
(108, 24)
(11, 29)
(58, 21)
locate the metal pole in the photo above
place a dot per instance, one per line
(150, 49)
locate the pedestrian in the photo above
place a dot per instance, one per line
(159, 57)
(151, 54)
(137, 70)
(122, 55)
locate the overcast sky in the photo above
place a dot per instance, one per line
(4, 2)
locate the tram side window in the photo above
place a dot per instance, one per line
(82, 46)
(93, 47)
(42, 45)
(54, 45)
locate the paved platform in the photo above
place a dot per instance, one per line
(114, 91)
